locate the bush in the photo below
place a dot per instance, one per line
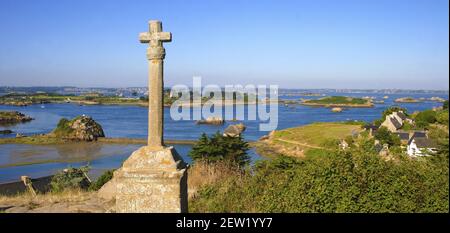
(63, 128)
(103, 179)
(386, 137)
(442, 117)
(70, 178)
(357, 181)
(221, 148)
(425, 118)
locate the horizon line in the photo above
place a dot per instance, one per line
(316, 88)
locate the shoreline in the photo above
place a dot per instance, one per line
(43, 140)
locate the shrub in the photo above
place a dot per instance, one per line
(221, 148)
(442, 117)
(103, 179)
(425, 118)
(70, 178)
(63, 128)
(357, 180)
(386, 137)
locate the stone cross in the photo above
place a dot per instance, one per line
(155, 54)
(154, 178)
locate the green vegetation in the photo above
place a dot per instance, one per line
(312, 137)
(425, 118)
(331, 179)
(13, 117)
(70, 178)
(63, 128)
(24, 99)
(386, 137)
(221, 148)
(356, 180)
(317, 134)
(103, 179)
(339, 101)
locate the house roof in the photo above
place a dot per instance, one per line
(424, 143)
(373, 127)
(403, 135)
(419, 134)
(394, 121)
(402, 115)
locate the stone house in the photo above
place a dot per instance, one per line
(395, 121)
(392, 123)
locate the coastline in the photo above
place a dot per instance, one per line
(44, 140)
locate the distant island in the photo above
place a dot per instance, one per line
(407, 100)
(339, 101)
(13, 117)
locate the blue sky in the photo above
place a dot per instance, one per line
(295, 44)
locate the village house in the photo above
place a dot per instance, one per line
(395, 121)
(371, 128)
(421, 146)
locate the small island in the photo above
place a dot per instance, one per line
(407, 100)
(339, 101)
(13, 117)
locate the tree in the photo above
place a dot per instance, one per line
(221, 148)
(442, 117)
(386, 137)
(425, 118)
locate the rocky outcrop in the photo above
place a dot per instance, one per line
(234, 130)
(13, 117)
(82, 128)
(336, 109)
(437, 99)
(267, 137)
(212, 121)
(6, 131)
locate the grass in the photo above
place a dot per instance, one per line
(317, 134)
(309, 140)
(28, 200)
(202, 174)
(8, 114)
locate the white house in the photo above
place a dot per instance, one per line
(418, 146)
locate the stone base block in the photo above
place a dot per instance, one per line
(151, 181)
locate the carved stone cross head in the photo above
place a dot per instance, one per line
(155, 36)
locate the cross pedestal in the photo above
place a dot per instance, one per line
(152, 181)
